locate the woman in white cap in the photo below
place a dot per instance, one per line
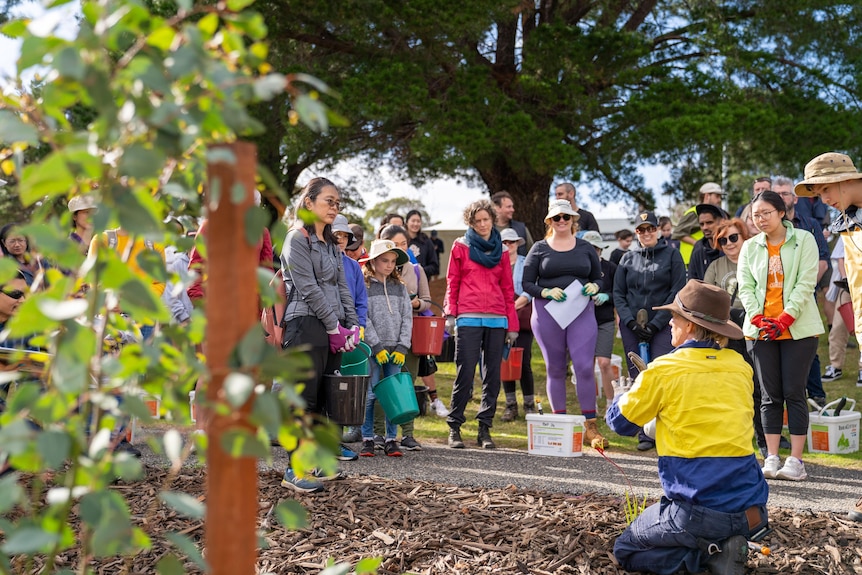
(82, 209)
(552, 265)
(700, 396)
(481, 297)
(524, 307)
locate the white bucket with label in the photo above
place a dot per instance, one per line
(830, 434)
(558, 435)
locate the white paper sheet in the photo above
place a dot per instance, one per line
(565, 312)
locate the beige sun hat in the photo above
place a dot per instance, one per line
(556, 207)
(711, 188)
(706, 305)
(85, 202)
(380, 247)
(828, 168)
(595, 238)
(510, 235)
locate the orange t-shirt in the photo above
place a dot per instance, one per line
(773, 305)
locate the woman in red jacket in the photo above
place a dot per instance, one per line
(480, 296)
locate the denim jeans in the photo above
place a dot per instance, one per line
(377, 372)
(668, 536)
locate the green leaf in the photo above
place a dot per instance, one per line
(139, 299)
(185, 5)
(170, 565)
(238, 387)
(240, 443)
(13, 130)
(141, 162)
(238, 193)
(162, 37)
(54, 446)
(29, 540)
(269, 86)
(184, 504)
(14, 28)
(186, 545)
(69, 63)
(252, 347)
(62, 310)
(11, 493)
(151, 262)
(291, 514)
(8, 269)
(368, 565)
(238, 5)
(209, 24)
(255, 220)
(48, 178)
(337, 569)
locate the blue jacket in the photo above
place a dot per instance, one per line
(356, 284)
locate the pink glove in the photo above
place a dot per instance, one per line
(339, 339)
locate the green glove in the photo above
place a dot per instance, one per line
(382, 357)
(556, 294)
(397, 358)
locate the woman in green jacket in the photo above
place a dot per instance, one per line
(776, 275)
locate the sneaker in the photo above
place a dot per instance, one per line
(303, 485)
(856, 513)
(126, 447)
(410, 444)
(439, 408)
(821, 401)
(793, 470)
(730, 560)
(770, 466)
(352, 434)
(367, 448)
(455, 441)
(378, 442)
(646, 445)
(510, 413)
(391, 448)
(831, 374)
(318, 473)
(346, 454)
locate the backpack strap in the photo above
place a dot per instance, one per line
(280, 275)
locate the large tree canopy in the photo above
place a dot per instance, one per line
(523, 92)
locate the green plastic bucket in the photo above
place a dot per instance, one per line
(356, 362)
(397, 397)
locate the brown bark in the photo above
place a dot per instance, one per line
(530, 194)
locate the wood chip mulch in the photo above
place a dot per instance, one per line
(428, 528)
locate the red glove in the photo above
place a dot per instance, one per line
(770, 329)
(757, 321)
(784, 321)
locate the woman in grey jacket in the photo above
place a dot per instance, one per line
(319, 312)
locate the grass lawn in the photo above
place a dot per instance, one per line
(514, 435)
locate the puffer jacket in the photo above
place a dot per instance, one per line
(645, 278)
(473, 288)
(799, 259)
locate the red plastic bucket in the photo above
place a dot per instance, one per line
(846, 311)
(510, 369)
(428, 335)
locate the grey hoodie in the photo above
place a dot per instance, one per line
(390, 317)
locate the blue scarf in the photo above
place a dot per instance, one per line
(484, 252)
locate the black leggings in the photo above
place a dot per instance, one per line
(308, 330)
(782, 368)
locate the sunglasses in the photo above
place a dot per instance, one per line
(17, 294)
(645, 230)
(732, 238)
(564, 217)
(507, 242)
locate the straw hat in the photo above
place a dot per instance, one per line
(380, 247)
(86, 202)
(706, 305)
(556, 207)
(828, 168)
(595, 238)
(510, 235)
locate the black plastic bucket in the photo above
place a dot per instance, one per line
(345, 398)
(421, 397)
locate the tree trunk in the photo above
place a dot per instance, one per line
(530, 193)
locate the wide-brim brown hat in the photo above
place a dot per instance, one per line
(706, 305)
(828, 168)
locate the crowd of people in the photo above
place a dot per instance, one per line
(726, 301)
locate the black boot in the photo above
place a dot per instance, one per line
(455, 438)
(484, 438)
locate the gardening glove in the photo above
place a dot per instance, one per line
(361, 334)
(353, 338)
(649, 330)
(511, 338)
(601, 298)
(397, 358)
(640, 332)
(590, 289)
(556, 294)
(622, 385)
(770, 329)
(382, 357)
(337, 338)
(757, 321)
(784, 321)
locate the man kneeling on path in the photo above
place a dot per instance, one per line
(700, 396)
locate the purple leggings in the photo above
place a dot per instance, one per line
(579, 339)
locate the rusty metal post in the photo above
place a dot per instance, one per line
(231, 309)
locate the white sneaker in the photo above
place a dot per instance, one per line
(793, 470)
(770, 466)
(439, 408)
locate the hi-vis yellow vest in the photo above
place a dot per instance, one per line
(684, 248)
